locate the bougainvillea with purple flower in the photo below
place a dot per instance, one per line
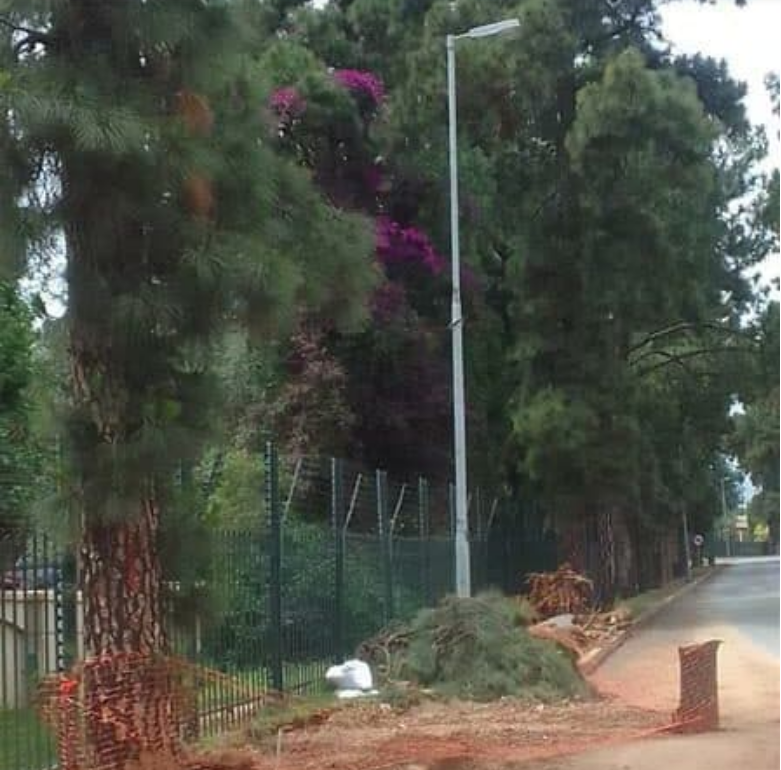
(365, 84)
(397, 245)
(287, 102)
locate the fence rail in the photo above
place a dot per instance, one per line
(720, 547)
(336, 552)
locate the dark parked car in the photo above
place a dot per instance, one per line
(24, 577)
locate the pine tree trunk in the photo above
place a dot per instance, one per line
(605, 579)
(121, 581)
(625, 567)
(130, 704)
(129, 692)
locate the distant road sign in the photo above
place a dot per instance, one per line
(699, 541)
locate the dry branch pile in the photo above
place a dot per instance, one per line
(568, 593)
(572, 638)
(579, 633)
(384, 652)
(560, 592)
(599, 626)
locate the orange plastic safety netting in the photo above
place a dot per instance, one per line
(699, 705)
(128, 712)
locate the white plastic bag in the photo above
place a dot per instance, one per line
(350, 694)
(352, 675)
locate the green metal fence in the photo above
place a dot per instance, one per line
(31, 646)
(337, 552)
(740, 548)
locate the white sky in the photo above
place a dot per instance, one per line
(748, 38)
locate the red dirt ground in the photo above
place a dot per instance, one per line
(440, 736)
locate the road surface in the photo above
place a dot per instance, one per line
(739, 606)
(747, 598)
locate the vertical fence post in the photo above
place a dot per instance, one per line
(424, 540)
(478, 551)
(274, 513)
(451, 510)
(478, 513)
(451, 524)
(508, 585)
(383, 525)
(59, 610)
(337, 522)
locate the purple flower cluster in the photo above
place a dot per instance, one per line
(397, 245)
(360, 82)
(287, 102)
(387, 301)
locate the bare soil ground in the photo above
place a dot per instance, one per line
(639, 689)
(438, 735)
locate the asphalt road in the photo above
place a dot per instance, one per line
(743, 596)
(746, 596)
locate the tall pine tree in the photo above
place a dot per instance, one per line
(134, 144)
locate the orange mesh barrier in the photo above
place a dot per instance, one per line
(126, 712)
(699, 705)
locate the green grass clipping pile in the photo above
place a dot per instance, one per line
(475, 649)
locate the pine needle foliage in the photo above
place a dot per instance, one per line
(477, 649)
(135, 133)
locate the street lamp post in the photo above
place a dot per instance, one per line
(725, 517)
(463, 579)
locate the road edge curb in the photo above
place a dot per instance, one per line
(595, 658)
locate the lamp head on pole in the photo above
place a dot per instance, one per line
(497, 28)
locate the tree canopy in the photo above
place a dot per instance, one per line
(251, 201)
(18, 455)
